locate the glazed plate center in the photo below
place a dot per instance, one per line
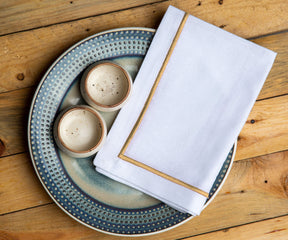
(82, 171)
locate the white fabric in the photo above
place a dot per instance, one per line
(201, 103)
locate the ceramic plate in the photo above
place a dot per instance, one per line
(87, 196)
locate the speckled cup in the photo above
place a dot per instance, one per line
(79, 131)
(106, 86)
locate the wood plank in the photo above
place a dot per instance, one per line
(20, 187)
(45, 223)
(275, 228)
(34, 14)
(256, 189)
(266, 129)
(14, 109)
(277, 82)
(25, 70)
(253, 190)
(22, 64)
(246, 19)
(31, 14)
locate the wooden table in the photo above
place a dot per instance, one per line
(253, 203)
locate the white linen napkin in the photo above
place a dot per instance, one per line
(206, 81)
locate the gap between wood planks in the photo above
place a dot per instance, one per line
(226, 229)
(28, 208)
(245, 159)
(263, 99)
(82, 18)
(13, 154)
(17, 89)
(268, 34)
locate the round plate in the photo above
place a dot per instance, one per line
(87, 196)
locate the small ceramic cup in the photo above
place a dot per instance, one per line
(106, 86)
(79, 131)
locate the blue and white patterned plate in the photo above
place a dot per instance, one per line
(87, 196)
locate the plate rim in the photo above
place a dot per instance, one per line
(39, 86)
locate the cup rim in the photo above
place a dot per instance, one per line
(128, 80)
(95, 113)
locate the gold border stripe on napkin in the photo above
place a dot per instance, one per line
(153, 89)
(132, 133)
(164, 175)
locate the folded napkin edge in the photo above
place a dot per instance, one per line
(139, 188)
(163, 175)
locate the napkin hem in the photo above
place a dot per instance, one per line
(137, 187)
(163, 175)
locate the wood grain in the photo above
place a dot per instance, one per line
(26, 69)
(275, 228)
(277, 82)
(20, 187)
(246, 19)
(22, 64)
(253, 203)
(239, 17)
(266, 129)
(256, 189)
(34, 14)
(14, 109)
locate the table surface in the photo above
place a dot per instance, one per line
(253, 203)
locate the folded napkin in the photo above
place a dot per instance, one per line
(190, 99)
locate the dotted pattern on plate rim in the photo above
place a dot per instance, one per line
(53, 89)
